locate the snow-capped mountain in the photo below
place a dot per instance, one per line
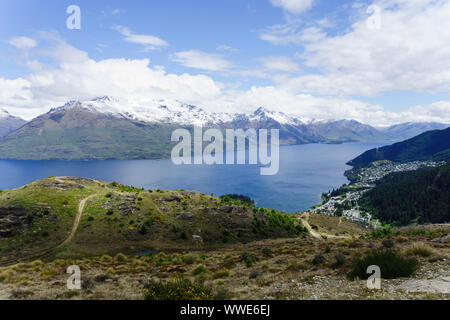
(280, 117)
(4, 113)
(125, 128)
(157, 110)
(9, 123)
(174, 112)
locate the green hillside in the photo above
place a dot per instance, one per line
(82, 135)
(80, 217)
(431, 145)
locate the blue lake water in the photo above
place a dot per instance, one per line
(306, 171)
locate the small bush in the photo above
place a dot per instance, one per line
(388, 243)
(339, 261)
(178, 289)
(120, 257)
(143, 230)
(221, 274)
(248, 261)
(318, 259)
(189, 260)
(391, 264)
(102, 278)
(254, 274)
(199, 270)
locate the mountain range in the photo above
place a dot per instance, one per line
(117, 128)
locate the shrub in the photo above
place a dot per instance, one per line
(248, 261)
(120, 257)
(178, 289)
(339, 261)
(221, 274)
(254, 274)
(199, 270)
(102, 278)
(318, 259)
(391, 265)
(388, 243)
(143, 230)
(420, 250)
(189, 260)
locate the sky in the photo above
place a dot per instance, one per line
(380, 62)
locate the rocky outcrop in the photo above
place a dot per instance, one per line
(12, 219)
(126, 205)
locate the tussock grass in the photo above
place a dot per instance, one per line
(420, 250)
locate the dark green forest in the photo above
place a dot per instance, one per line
(404, 198)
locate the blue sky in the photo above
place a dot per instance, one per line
(314, 58)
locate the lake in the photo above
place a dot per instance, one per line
(306, 171)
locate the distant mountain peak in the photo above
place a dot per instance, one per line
(261, 111)
(4, 113)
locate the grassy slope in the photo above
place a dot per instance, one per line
(158, 221)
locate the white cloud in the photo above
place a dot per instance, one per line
(23, 42)
(72, 74)
(293, 6)
(116, 11)
(409, 52)
(150, 42)
(224, 47)
(283, 64)
(201, 60)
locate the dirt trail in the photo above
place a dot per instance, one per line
(304, 220)
(77, 221)
(45, 252)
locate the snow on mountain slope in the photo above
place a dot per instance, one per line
(280, 117)
(172, 111)
(4, 113)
